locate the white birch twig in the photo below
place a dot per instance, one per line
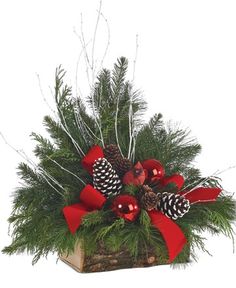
(215, 174)
(94, 41)
(116, 124)
(44, 174)
(66, 170)
(108, 40)
(135, 58)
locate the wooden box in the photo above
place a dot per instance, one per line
(103, 261)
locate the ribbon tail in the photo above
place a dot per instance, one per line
(202, 195)
(172, 234)
(73, 215)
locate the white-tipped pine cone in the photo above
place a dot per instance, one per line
(105, 179)
(173, 205)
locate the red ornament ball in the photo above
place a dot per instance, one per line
(154, 169)
(126, 206)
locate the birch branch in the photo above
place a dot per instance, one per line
(44, 174)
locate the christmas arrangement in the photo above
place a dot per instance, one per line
(110, 191)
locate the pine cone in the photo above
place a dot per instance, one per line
(149, 201)
(112, 153)
(146, 189)
(105, 178)
(173, 205)
(120, 164)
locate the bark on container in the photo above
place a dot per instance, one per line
(104, 261)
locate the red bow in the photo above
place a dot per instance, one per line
(91, 199)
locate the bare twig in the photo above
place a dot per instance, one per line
(84, 50)
(130, 126)
(90, 66)
(200, 182)
(40, 169)
(132, 156)
(66, 170)
(116, 124)
(80, 121)
(108, 41)
(43, 95)
(132, 142)
(135, 58)
(65, 128)
(77, 89)
(44, 174)
(215, 174)
(94, 40)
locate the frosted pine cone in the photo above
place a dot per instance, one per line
(173, 205)
(105, 178)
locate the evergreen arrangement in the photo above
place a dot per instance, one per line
(113, 184)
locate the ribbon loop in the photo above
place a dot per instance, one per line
(92, 198)
(94, 153)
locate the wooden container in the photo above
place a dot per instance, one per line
(103, 261)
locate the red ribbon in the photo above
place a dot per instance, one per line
(94, 153)
(177, 179)
(202, 194)
(73, 215)
(172, 234)
(91, 200)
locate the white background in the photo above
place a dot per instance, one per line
(186, 67)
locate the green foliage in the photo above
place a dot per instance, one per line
(174, 148)
(44, 146)
(144, 220)
(168, 143)
(104, 231)
(131, 190)
(94, 218)
(37, 221)
(215, 217)
(111, 100)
